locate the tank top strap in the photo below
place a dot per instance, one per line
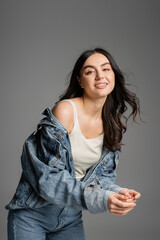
(74, 109)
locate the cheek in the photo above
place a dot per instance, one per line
(112, 80)
(87, 82)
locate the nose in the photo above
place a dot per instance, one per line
(99, 75)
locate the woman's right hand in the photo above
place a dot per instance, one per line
(116, 204)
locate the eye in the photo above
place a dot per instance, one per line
(89, 72)
(106, 69)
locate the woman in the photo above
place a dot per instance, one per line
(69, 163)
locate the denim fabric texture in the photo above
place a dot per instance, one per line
(46, 223)
(48, 175)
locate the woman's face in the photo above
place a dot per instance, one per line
(96, 76)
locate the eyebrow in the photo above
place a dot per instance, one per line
(91, 66)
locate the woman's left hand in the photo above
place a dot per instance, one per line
(131, 194)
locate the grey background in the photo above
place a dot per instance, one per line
(40, 41)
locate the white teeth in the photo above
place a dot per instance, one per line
(102, 84)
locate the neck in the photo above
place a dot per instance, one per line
(93, 107)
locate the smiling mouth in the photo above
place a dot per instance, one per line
(101, 85)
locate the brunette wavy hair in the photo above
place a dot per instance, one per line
(116, 104)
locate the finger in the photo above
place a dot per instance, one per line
(130, 200)
(133, 192)
(125, 193)
(115, 208)
(120, 212)
(137, 195)
(121, 197)
(124, 204)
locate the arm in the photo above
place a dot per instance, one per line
(120, 200)
(109, 176)
(45, 169)
(45, 165)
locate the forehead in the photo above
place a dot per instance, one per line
(96, 59)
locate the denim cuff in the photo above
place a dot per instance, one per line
(94, 198)
(116, 189)
(120, 188)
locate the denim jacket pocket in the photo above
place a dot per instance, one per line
(57, 162)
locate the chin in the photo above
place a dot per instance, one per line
(104, 94)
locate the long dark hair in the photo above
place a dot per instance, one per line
(114, 120)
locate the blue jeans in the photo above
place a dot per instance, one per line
(47, 223)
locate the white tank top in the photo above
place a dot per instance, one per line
(85, 152)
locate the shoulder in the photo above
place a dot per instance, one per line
(63, 112)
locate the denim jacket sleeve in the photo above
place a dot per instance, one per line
(109, 176)
(44, 165)
(106, 179)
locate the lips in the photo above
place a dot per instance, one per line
(101, 85)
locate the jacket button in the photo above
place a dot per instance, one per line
(71, 159)
(60, 138)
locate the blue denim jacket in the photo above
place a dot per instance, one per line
(49, 177)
